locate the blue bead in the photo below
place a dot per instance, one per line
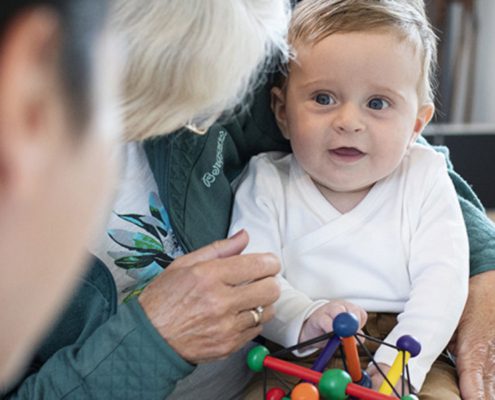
(410, 344)
(365, 380)
(345, 324)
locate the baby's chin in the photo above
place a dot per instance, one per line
(343, 188)
(350, 181)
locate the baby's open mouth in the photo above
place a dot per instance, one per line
(347, 152)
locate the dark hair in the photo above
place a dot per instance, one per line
(81, 21)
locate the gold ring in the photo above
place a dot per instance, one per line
(257, 314)
(256, 317)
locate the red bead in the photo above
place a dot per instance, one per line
(275, 394)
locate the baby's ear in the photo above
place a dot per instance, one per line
(278, 105)
(425, 114)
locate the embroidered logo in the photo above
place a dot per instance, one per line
(210, 177)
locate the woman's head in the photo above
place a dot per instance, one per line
(188, 61)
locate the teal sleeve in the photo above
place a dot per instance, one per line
(480, 229)
(125, 358)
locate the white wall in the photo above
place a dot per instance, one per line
(484, 80)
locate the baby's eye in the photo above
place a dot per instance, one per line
(378, 104)
(324, 99)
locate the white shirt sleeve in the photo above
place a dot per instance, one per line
(259, 208)
(439, 274)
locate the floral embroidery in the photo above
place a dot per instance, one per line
(147, 254)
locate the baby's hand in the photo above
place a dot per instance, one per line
(321, 321)
(377, 378)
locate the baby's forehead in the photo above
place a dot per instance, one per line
(371, 53)
(376, 46)
(376, 62)
(313, 20)
(402, 36)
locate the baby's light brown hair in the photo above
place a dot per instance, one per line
(314, 20)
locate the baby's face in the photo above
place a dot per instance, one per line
(351, 108)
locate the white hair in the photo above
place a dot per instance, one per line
(190, 60)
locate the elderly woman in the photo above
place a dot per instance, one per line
(188, 61)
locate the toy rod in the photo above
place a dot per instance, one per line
(408, 347)
(352, 358)
(363, 393)
(292, 369)
(313, 376)
(326, 354)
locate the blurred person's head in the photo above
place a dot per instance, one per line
(189, 61)
(57, 142)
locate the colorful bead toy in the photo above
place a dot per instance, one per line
(337, 384)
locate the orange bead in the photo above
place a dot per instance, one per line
(305, 391)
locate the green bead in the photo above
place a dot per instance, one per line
(255, 358)
(285, 398)
(333, 384)
(409, 397)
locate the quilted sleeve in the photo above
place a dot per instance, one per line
(480, 229)
(123, 359)
(100, 351)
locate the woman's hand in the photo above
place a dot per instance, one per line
(202, 303)
(474, 344)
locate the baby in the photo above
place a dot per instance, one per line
(363, 218)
